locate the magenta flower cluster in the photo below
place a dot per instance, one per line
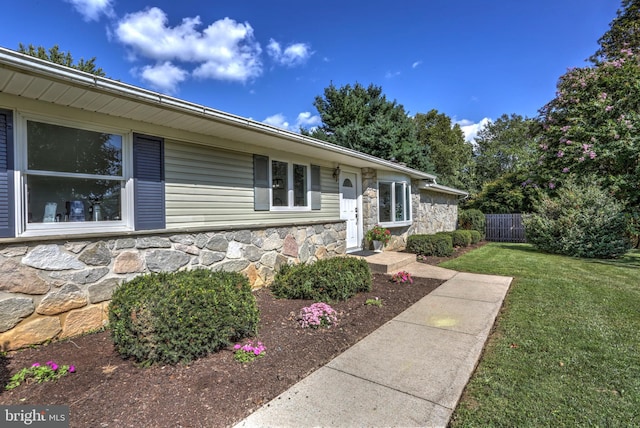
(402, 277)
(318, 315)
(50, 371)
(249, 351)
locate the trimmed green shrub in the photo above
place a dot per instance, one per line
(181, 316)
(326, 280)
(439, 245)
(472, 220)
(461, 238)
(581, 221)
(475, 236)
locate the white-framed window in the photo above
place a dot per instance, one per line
(394, 203)
(73, 178)
(290, 185)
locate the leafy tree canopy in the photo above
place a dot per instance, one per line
(57, 56)
(504, 146)
(445, 146)
(591, 128)
(507, 194)
(363, 119)
(623, 36)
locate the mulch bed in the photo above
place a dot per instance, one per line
(107, 391)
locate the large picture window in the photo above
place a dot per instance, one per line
(73, 175)
(394, 203)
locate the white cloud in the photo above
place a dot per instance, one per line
(416, 64)
(225, 50)
(294, 54)
(304, 120)
(92, 9)
(471, 129)
(278, 120)
(164, 77)
(391, 74)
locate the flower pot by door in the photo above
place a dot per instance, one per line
(377, 246)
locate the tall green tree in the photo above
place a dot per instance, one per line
(504, 146)
(363, 119)
(55, 55)
(445, 147)
(623, 35)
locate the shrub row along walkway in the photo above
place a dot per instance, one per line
(409, 372)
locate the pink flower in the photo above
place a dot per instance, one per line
(592, 155)
(53, 365)
(72, 369)
(608, 108)
(552, 185)
(565, 170)
(35, 365)
(237, 346)
(560, 153)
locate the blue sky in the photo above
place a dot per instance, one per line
(470, 59)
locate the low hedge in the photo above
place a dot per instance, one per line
(439, 245)
(337, 278)
(181, 316)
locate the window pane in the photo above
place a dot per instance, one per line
(63, 149)
(299, 185)
(61, 199)
(384, 200)
(400, 205)
(279, 184)
(407, 200)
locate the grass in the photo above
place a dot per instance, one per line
(566, 346)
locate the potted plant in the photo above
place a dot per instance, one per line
(380, 237)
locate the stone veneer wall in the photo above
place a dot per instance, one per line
(62, 289)
(432, 211)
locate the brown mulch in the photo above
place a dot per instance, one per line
(107, 391)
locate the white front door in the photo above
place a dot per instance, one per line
(349, 207)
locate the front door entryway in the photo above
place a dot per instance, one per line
(349, 207)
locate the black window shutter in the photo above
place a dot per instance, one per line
(261, 183)
(7, 201)
(316, 193)
(148, 178)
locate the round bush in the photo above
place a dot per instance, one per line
(475, 236)
(181, 316)
(582, 221)
(337, 278)
(461, 238)
(472, 220)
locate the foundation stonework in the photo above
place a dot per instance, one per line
(61, 289)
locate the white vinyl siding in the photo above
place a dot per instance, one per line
(207, 186)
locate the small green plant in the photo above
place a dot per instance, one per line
(40, 373)
(402, 277)
(318, 315)
(248, 352)
(379, 233)
(376, 301)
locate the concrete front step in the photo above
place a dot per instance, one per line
(387, 261)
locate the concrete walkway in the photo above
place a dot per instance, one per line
(410, 372)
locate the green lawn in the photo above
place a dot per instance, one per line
(566, 347)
